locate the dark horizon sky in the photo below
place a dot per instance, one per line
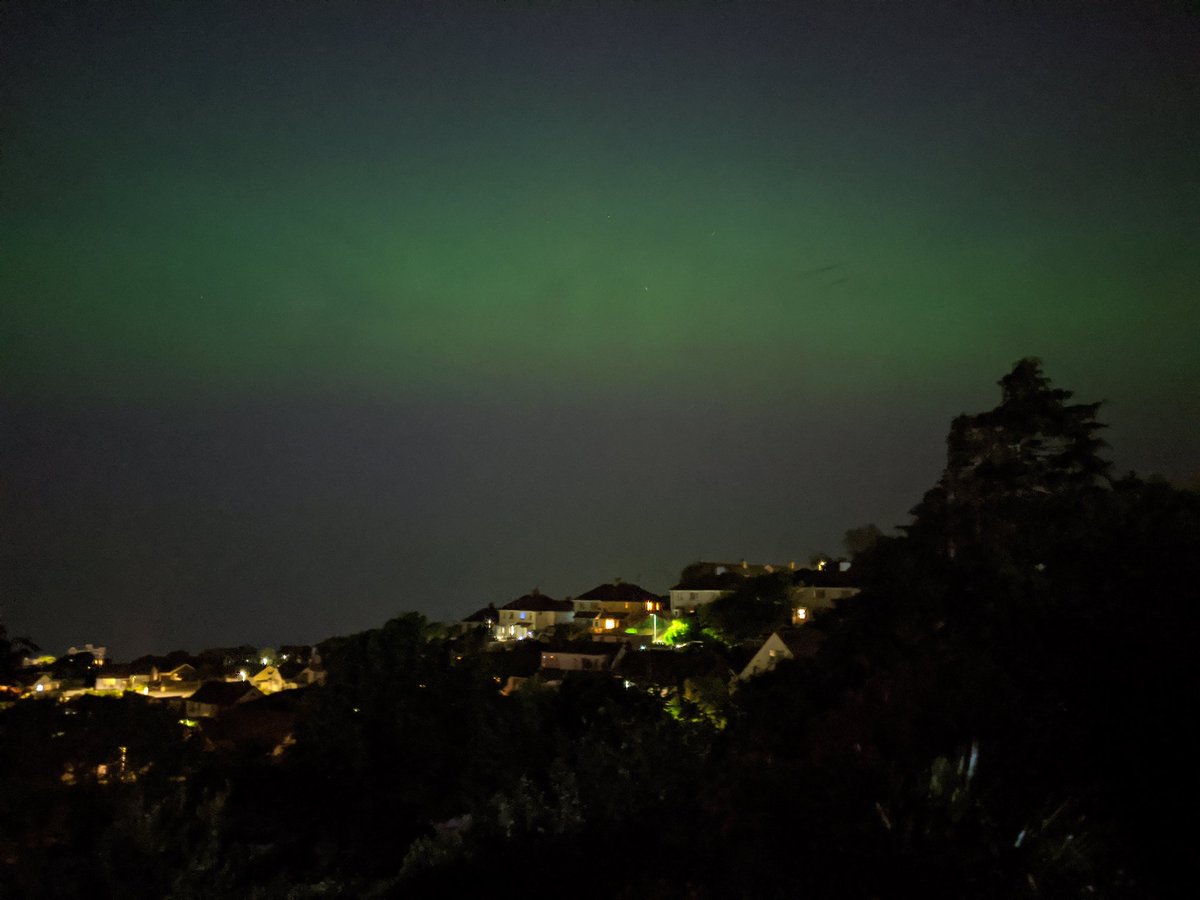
(314, 313)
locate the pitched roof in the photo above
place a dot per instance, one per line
(222, 693)
(619, 592)
(487, 614)
(710, 581)
(537, 602)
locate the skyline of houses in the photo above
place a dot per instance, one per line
(616, 627)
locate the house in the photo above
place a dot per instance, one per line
(813, 590)
(618, 597)
(214, 697)
(268, 680)
(44, 685)
(182, 672)
(97, 653)
(120, 677)
(485, 619)
(602, 625)
(580, 656)
(697, 590)
(789, 643)
(704, 582)
(532, 614)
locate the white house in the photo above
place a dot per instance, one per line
(807, 599)
(533, 613)
(792, 643)
(704, 582)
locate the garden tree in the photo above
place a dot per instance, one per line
(393, 741)
(1034, 618)
(859, 540)
(1013, 472)
(12, 652)
(822, 560)
(78, 666)
(72, 775)
(754, 608)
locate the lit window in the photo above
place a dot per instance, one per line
(800, 615)
(522, 615)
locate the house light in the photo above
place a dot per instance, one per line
(610, 623)
(242, 675)
(39, 688)
(801, 614)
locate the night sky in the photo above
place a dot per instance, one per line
(314, 313)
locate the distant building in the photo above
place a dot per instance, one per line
(618, 597)
(532, 614)
(120, 677)
(810, 589)
(695, 589)
(791, 643)
(268, 680)
(703, 582)
(485, 619)
(814, 590)
(580, 656)
(96, 652)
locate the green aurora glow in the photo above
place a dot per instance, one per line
(310, 312)
(733, 234)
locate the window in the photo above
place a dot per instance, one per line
(522, 615)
